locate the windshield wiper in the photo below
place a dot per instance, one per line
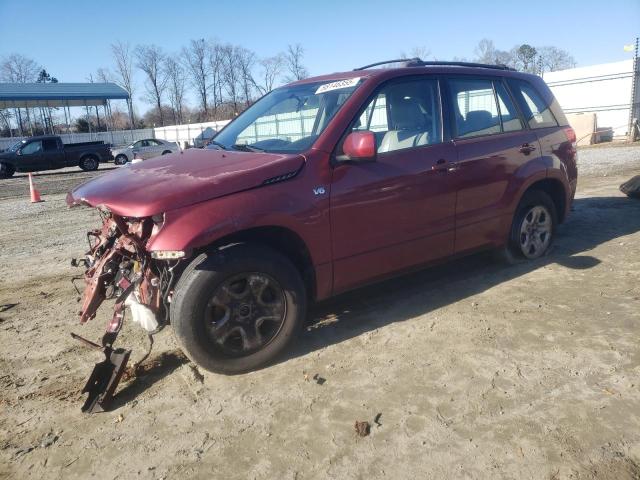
(247, 148)
(217, 144)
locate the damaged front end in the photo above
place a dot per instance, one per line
(119, 267)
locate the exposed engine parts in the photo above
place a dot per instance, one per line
(117, 266)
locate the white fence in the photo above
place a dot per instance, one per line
(182, 134)
(119, 137)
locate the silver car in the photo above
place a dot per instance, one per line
(144, 149)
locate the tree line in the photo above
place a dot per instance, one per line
(222, 78)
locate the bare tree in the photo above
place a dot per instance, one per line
(176, 86)
(554, 58)
(293, 63)
(246, 63)
(196, 62)
(504, 57)
(270, 70)
(17, 68)
(103, 75)
(124, 72)
(151, 61)
(485, 52)
(231, 74)
(421, 52)
(217, 74)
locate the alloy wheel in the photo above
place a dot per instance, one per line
(535, 232)
(245, 313)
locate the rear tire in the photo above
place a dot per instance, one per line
(121, 160)
(533, 228)
(237, 308)
(166, 152)
(6, 170)
(89, 163)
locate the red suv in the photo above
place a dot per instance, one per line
(322, 186)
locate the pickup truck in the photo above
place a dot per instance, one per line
(49, 153)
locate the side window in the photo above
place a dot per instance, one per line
(537, 111)
(31, 148)
(49, 144)
(508, 113)
(138, 144)
(474, 107)
(374, 117)
(403, 115)
(154, 143)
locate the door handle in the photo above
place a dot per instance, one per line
(527, 148)
(441, 166)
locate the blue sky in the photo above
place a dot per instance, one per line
(71, 39)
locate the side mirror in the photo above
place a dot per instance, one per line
(359, 147)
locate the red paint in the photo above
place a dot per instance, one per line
(360, 221)
(360, 145)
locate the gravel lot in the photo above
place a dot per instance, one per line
(472, 369)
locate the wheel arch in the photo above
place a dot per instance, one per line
(281, 239)
(556, 190)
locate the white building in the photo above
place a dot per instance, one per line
(602, 90)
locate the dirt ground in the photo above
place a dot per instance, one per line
(468, 370)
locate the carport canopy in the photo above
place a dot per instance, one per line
(30, 95)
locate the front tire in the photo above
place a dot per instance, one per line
(121, 160)
(533, 228)
(89, 163)
(166, 152)
(6, 170)
(237, 308)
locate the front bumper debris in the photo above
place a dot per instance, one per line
(117, 266)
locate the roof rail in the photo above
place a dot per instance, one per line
(416, 62)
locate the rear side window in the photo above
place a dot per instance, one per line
(49, 144)
(508, 113)
(537, 111)
(474, 107)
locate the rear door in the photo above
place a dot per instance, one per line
(494, 148)
(397, 211)
(53, 153)
(155, 148)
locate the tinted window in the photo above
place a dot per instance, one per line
(475, 109)
(49, 144)
(403, 115)
(32, 147)
(537, 111)
(508, 113)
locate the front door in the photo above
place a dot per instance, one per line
(398, 211)
(31, 158)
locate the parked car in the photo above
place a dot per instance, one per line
(47, 152)
(144, 149)
(378, 171)
(204, 138)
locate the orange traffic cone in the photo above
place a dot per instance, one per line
(35, 194)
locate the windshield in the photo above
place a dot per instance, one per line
(16, 146)
(288, 119)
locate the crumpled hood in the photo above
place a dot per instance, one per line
(178, 180)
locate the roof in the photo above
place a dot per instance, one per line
(23, 95)
(426, 68)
